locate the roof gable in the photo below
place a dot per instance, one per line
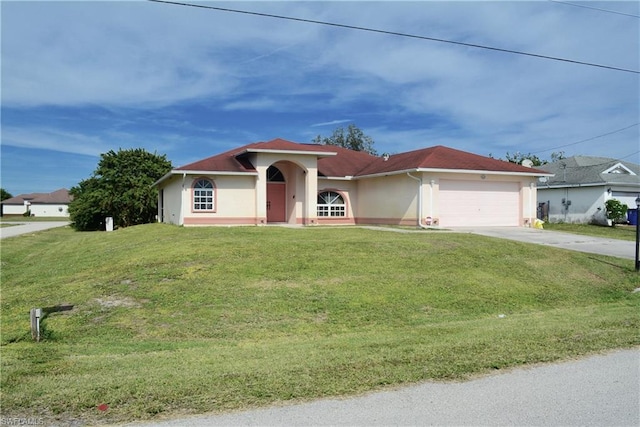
(235, 160)
(582, 170)
(619, 168)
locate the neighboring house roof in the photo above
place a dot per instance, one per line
(341, 162)
(587, 170)
(58, 197)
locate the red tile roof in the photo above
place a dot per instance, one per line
(440, 157)
(234, 161)
(57, 197)
(357, 163)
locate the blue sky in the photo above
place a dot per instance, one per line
(82, 78)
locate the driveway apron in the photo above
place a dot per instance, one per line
(574, 242)
(29, 227)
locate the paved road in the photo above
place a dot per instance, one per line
(602, 390)
(575, 242)
(29, 227)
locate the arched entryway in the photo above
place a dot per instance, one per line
(276, 195)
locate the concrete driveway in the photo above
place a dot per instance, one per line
(29, 227)
(575, 242)
(602, 390)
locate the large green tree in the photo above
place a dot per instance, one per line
(4, 194)
(121, 188)
(353, 139)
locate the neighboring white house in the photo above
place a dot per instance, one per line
(54, 204)
(285, 182)
(581, 185)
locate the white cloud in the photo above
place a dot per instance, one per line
(53, 139)
(148, 56)
(331, 123)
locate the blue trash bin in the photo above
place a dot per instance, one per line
(632, 216)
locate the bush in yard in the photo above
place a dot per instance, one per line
(616, 211)
(121, 188)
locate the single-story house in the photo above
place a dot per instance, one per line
(286, 182)
(55, 204)
(581, 185)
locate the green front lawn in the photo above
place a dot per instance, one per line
(622, 232)
(169, 321)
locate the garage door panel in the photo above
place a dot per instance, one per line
(479, 203)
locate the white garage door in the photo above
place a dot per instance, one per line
(479, 203)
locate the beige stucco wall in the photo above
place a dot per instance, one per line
(393, 199)
(170, 211)
(234, 201)
(387, 200)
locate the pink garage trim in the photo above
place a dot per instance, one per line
(306, 221)
(221, 221)
(336, 221)
(387, 221)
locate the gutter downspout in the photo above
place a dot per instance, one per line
(431, 182)
(184, 177)
(531, 205)
(419, 201)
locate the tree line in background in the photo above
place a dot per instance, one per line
(519, 157)
(4, 194)
(353, 139)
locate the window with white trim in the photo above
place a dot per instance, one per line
(331, 204)
(203, 195)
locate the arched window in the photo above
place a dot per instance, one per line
(274, 174)
(203, 195)
(331, 204)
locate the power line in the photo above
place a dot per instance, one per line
(595, 8)
(608, 162)
(394, 33)
(632, 154)
(588, 139)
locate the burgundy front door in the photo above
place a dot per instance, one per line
(276, 201)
